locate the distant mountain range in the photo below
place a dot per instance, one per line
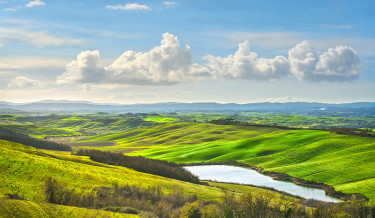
(289, 107)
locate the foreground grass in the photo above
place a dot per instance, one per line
(25, 169)
(22, 208)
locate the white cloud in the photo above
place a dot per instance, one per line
(35, 3)
(128, 7)
(83, 70)
(265, 40)
(37, 38)
(169, 3)
(14, 9)
(246, 65)
(337, 64)
(24, 82)
(168, 63)
(3, 2)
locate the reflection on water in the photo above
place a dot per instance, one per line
(222, 173)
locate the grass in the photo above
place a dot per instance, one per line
(87, 124)
(24, 170)
(22, 208)
(160, 119)
(40, 131)
(343, 161)
(175, 134)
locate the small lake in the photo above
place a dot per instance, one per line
(233, 174)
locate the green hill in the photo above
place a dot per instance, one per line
(343, 161)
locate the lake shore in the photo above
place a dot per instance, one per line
(329, 190)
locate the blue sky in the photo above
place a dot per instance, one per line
(238, 51)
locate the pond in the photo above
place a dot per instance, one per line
(233, 174)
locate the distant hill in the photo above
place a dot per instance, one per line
(366, 108)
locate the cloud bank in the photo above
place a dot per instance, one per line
(169, 63)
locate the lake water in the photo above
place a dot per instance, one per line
(223, 173)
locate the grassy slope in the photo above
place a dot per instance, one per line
(100, 125)
(346, 162)
(38, 131)
(21, 208)
(24, 170)
(178, 133)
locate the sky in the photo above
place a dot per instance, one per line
(241, 51)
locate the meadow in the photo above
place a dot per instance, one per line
(26, 169)
(343, 161)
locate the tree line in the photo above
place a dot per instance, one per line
(336, 130)
(142, 164)
(18, 137)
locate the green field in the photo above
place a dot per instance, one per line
(25, 169)
(343, 161)
(26, 209)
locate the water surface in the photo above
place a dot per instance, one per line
(223, 173)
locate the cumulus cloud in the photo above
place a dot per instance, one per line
(128, 7)
(246, 65)
(337, 64)
(24, 82)
(83, 70)
(169, 63)
(164, 64)
(35, 3)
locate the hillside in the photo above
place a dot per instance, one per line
(343, 161)
(77, 179)
(26, 209)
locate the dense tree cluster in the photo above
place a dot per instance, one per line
(18, 137)
(156, 167)
(352, 131)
